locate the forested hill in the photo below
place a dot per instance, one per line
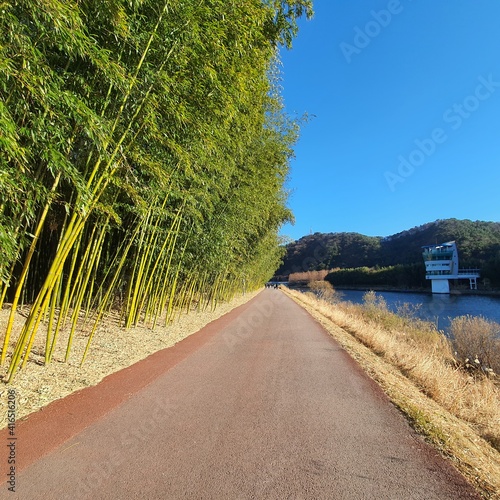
(478, 246)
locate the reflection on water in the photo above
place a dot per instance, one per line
(438, 308)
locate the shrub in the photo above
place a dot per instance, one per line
(476, 342)
(373, 301)
(322, 290)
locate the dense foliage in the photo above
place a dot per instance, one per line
(395, 260)
(398, 276)
(143, 151)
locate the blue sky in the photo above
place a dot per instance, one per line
(406, 102)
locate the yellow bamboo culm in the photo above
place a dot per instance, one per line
(106, 299)
(24, 272)
(30, 327)
(93, 261)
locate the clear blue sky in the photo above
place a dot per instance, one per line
(406, 98)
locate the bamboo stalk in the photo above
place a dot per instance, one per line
(93, 261)
(51, 320)
(31, 325)
(136, 275)
(108, 293)
(160, 259)
(64, 305)
(25, 269)
(174, 285)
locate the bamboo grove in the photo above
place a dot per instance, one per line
(143, 154)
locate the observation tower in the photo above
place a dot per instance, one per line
(441, 265)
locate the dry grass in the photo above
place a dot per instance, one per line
(476, 341)
(323, 290)
(414, 364)
(113, 348)
(307, 276)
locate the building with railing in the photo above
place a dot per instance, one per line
(441, 265)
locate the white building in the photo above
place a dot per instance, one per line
(441, 265)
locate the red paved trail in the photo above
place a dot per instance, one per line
(263, 404)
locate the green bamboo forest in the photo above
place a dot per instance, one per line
(144, 149)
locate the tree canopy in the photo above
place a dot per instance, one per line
(143, 153)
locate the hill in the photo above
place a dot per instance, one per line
(478, 246)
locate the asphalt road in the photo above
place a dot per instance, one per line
(266, 405)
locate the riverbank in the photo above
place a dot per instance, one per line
(455, 411)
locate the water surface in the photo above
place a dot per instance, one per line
(438, 308)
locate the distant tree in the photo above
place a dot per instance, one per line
(322, 289)
(478, 244)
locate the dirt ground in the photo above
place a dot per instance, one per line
(113, 348)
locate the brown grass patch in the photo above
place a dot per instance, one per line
(307, 276)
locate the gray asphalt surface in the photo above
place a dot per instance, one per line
(270, 407)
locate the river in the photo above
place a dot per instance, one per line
(438, 308)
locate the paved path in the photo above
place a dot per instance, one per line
(263, 404)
